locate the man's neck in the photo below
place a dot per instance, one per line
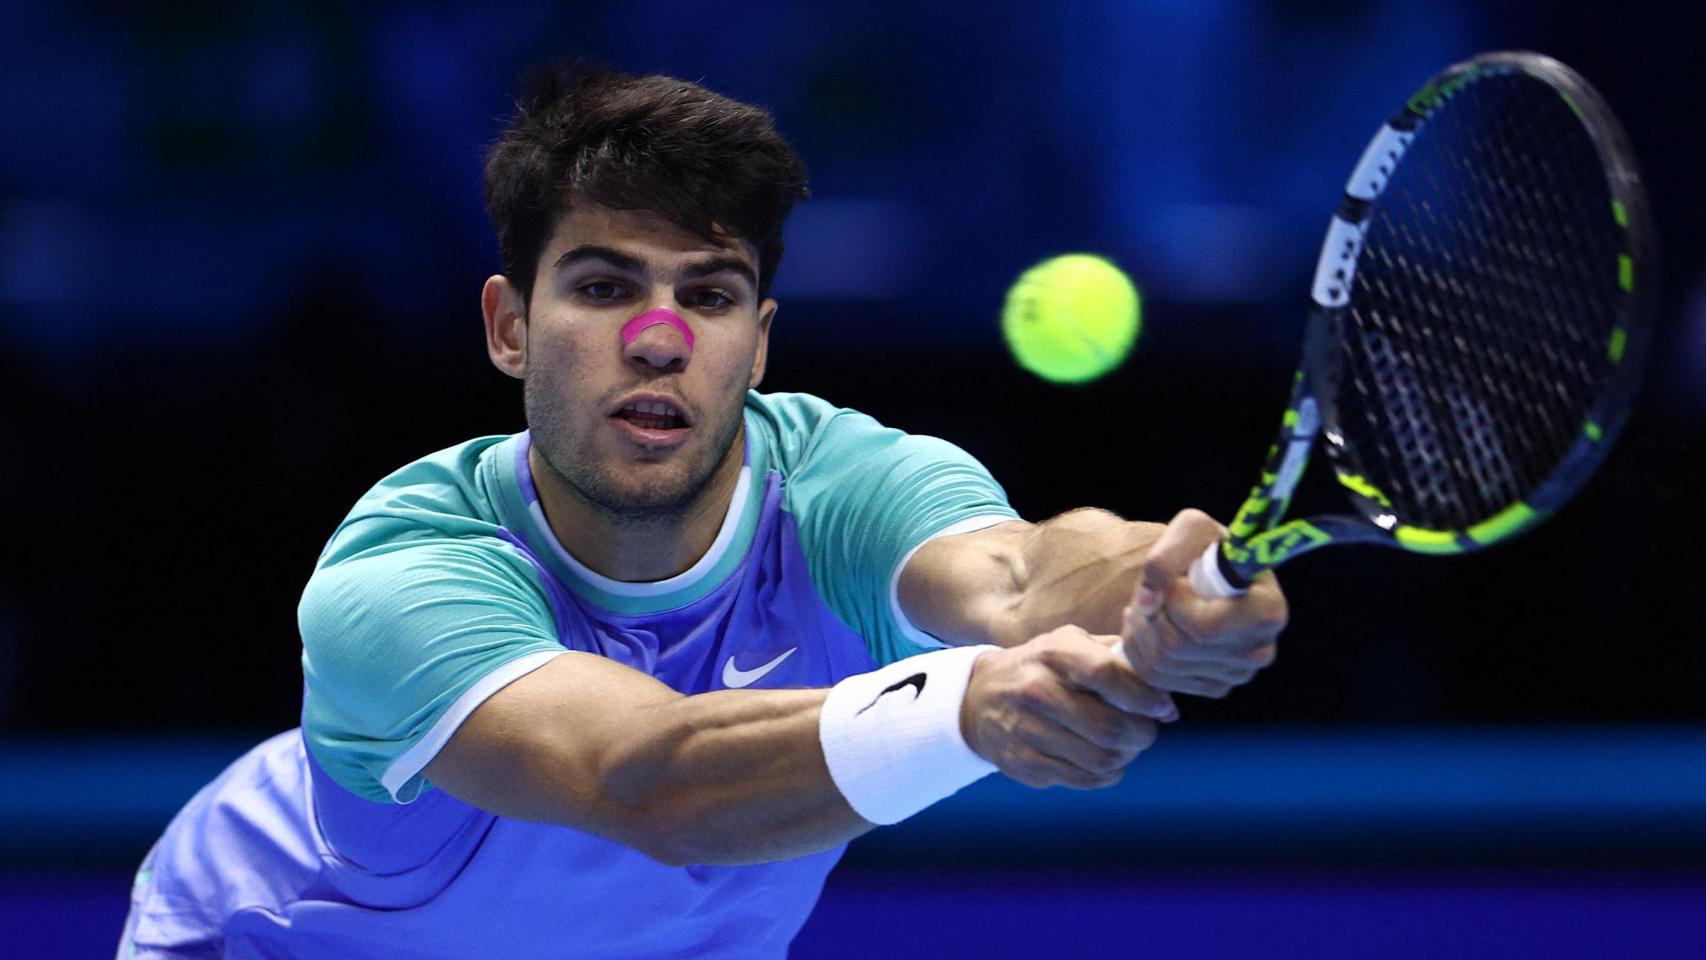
(637, 551)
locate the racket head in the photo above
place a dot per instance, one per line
(1483, 306)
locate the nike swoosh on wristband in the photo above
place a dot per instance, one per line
(734, 677)
(916, 680)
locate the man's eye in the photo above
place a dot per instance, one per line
(709, 299)
(601, 290)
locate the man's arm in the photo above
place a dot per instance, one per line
(740, 776)
(1008, 583)
(725, 777)
(1011, 582)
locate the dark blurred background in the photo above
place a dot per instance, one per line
(240, 251)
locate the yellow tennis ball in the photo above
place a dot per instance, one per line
(1072, 318)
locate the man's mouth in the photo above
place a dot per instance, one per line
(653, 415)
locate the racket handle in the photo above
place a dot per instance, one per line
(1209, 580)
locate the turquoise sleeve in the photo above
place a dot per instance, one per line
(864, 496)
(395, 642)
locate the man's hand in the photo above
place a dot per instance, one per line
(1060, 710)
(1184, 643)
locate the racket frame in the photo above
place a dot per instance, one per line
(1258, 537)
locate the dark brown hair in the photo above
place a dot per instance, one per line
(708, 164)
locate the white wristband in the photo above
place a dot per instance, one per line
(892, 736)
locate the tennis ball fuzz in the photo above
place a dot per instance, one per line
(1072, 318)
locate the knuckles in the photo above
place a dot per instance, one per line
(1196, 518)
(1108, 761)
(1269, 607)
(1034, 692)
(1108, 779)
(1273, 617)
(1130, 732)
(1028, 778)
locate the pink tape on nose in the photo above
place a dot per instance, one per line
(651, 318)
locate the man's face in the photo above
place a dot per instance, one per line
(601, 269)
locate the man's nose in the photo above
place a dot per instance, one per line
(658, 338)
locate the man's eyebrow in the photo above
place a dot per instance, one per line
(705, 268)
(588, 251)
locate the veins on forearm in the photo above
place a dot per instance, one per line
(730, 777)
(1080, 568)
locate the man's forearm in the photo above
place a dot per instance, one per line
(1007, 584)
(734, 776)
(731, 777)
(1015, 582)
(1078, 568)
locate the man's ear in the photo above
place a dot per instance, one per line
(506, 325)
(766, 313)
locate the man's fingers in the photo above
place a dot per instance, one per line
(1186, 536)
(1045, 772)
(1064, 709)
(1090, 718)
(1259, 615)
(1037, 766)
(1168, 659)
(1168, 640)
(1062, 742)
(1166, 675)
(1213, 687)
(1095, 781)
(1113, 679)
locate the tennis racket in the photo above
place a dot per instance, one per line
(1481, 311)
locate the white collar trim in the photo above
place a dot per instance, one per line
(656, 588)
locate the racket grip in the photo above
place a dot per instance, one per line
(1208, 580)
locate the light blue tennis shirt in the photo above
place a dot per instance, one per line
(444, 584)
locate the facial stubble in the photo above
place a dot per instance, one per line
(571, 450)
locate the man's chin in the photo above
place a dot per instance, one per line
(644, 498)
(627, 485)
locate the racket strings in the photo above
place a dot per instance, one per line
(1482, 303)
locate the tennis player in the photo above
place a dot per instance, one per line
(625, 684)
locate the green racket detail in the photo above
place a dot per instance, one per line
(1480, 317)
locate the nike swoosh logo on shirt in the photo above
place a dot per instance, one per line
(734, 677)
